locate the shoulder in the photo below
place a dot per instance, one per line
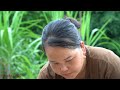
(46, 72)
(102, 53)
(108, 63)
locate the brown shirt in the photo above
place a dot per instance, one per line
(101, 63)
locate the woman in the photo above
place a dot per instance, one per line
(69, 58)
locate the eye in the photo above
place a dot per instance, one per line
(69, 60)
(56, 63)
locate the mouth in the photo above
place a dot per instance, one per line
(67, 74)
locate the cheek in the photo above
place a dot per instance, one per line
(77, 65)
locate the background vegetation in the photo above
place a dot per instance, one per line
(21, 56)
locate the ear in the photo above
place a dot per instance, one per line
(82, 45)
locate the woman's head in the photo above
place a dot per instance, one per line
(63, 46)
(61, 33)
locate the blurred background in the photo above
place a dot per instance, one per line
(21, 55)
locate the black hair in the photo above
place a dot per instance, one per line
(62, 33)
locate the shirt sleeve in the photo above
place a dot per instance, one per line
(114, 66)
(43, 75)
(45, 72)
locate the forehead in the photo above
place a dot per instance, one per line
(50, 49)
(59, 52)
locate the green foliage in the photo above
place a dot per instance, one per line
(112, 29)
(53, 15)
(18, 47)
(97, 37)
(72, 14)
(6, 41)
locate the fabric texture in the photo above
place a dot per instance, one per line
(101, 63)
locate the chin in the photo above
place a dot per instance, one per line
(69, 76)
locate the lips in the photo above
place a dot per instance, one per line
(66, 74)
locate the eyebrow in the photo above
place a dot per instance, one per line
(64, 59)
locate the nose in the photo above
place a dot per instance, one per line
(63, 68)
